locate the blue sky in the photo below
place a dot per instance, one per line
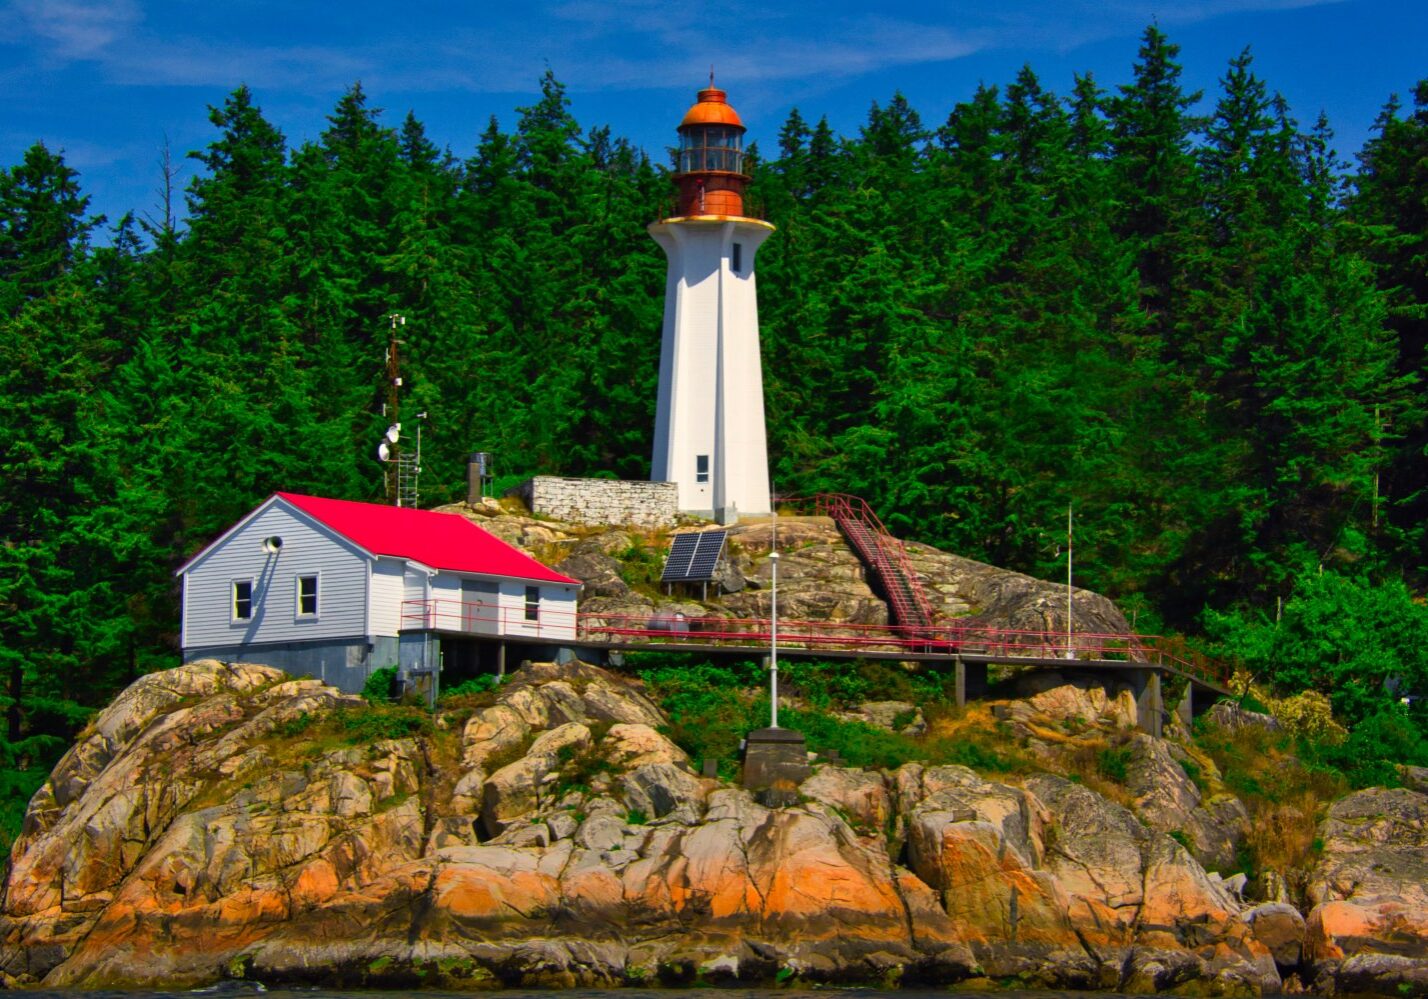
(109, 81)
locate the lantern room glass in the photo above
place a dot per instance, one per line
(711, 147)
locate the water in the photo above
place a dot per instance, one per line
(244, 990)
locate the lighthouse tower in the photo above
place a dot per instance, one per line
(709, 427)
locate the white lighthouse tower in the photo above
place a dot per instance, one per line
(709, 427)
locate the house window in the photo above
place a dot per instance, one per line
(532, 603)
(736, 259)
(307, 596)
(701, 468)
(242, 600)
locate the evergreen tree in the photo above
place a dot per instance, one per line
(1390, 208)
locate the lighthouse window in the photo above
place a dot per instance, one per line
(736, 258)
(701, 468)
(710, 148)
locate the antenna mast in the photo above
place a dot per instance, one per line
(403, 470)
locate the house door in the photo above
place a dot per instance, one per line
(480, 607)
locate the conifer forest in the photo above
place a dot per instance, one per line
(1205, 331)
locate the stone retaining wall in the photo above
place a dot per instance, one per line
(602, 501)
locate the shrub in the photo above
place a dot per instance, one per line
(377, 723)
(640, 565)
(1284, 782)
(1374, 746)
(710, 708)
(860, 744)
(380, 687)
(483, 684)
(1358, 641)
(294, 727)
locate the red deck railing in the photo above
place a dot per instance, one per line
(1002, 644)
(475, 617)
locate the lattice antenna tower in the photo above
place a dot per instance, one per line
(402, 470)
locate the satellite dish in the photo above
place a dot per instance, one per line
(393, 432)
(384, 453)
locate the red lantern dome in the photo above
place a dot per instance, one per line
(710, 175)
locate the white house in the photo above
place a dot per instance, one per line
(337, 589)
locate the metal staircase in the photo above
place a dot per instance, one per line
(885, 557)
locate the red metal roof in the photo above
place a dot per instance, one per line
(712, 108)
(439, 540)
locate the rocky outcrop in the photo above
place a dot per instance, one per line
(1167, 800)
(1368, 928)
(215, 821)
(985, 596)
(1229, 715)
(820, 577)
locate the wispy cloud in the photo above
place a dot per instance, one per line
(594, 44)
(194, 62)
(78, 29)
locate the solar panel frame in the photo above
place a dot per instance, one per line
(694, 556)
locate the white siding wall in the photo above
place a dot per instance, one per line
(555, 618)
(558, 607)
(414, 584)
(388, 591)
(342, 586)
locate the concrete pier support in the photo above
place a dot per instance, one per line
(970, 681)
(1185, 710)
(1150, 705)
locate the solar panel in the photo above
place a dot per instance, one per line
(693, 556)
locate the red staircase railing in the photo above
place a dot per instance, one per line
(884, 555)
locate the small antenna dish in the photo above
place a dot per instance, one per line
(273, 545)
(384, 451)
(394, 432)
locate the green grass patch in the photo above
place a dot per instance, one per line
(640, 565)
(381, 722)
(1112, 763)
(294, 727)
(711, 708)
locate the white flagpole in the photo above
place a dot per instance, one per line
(773, 623)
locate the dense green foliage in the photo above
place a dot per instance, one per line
(712, 707)
(1363, 645)
(1192, 328)
(380, 685)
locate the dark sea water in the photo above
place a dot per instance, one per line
(243, 990)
